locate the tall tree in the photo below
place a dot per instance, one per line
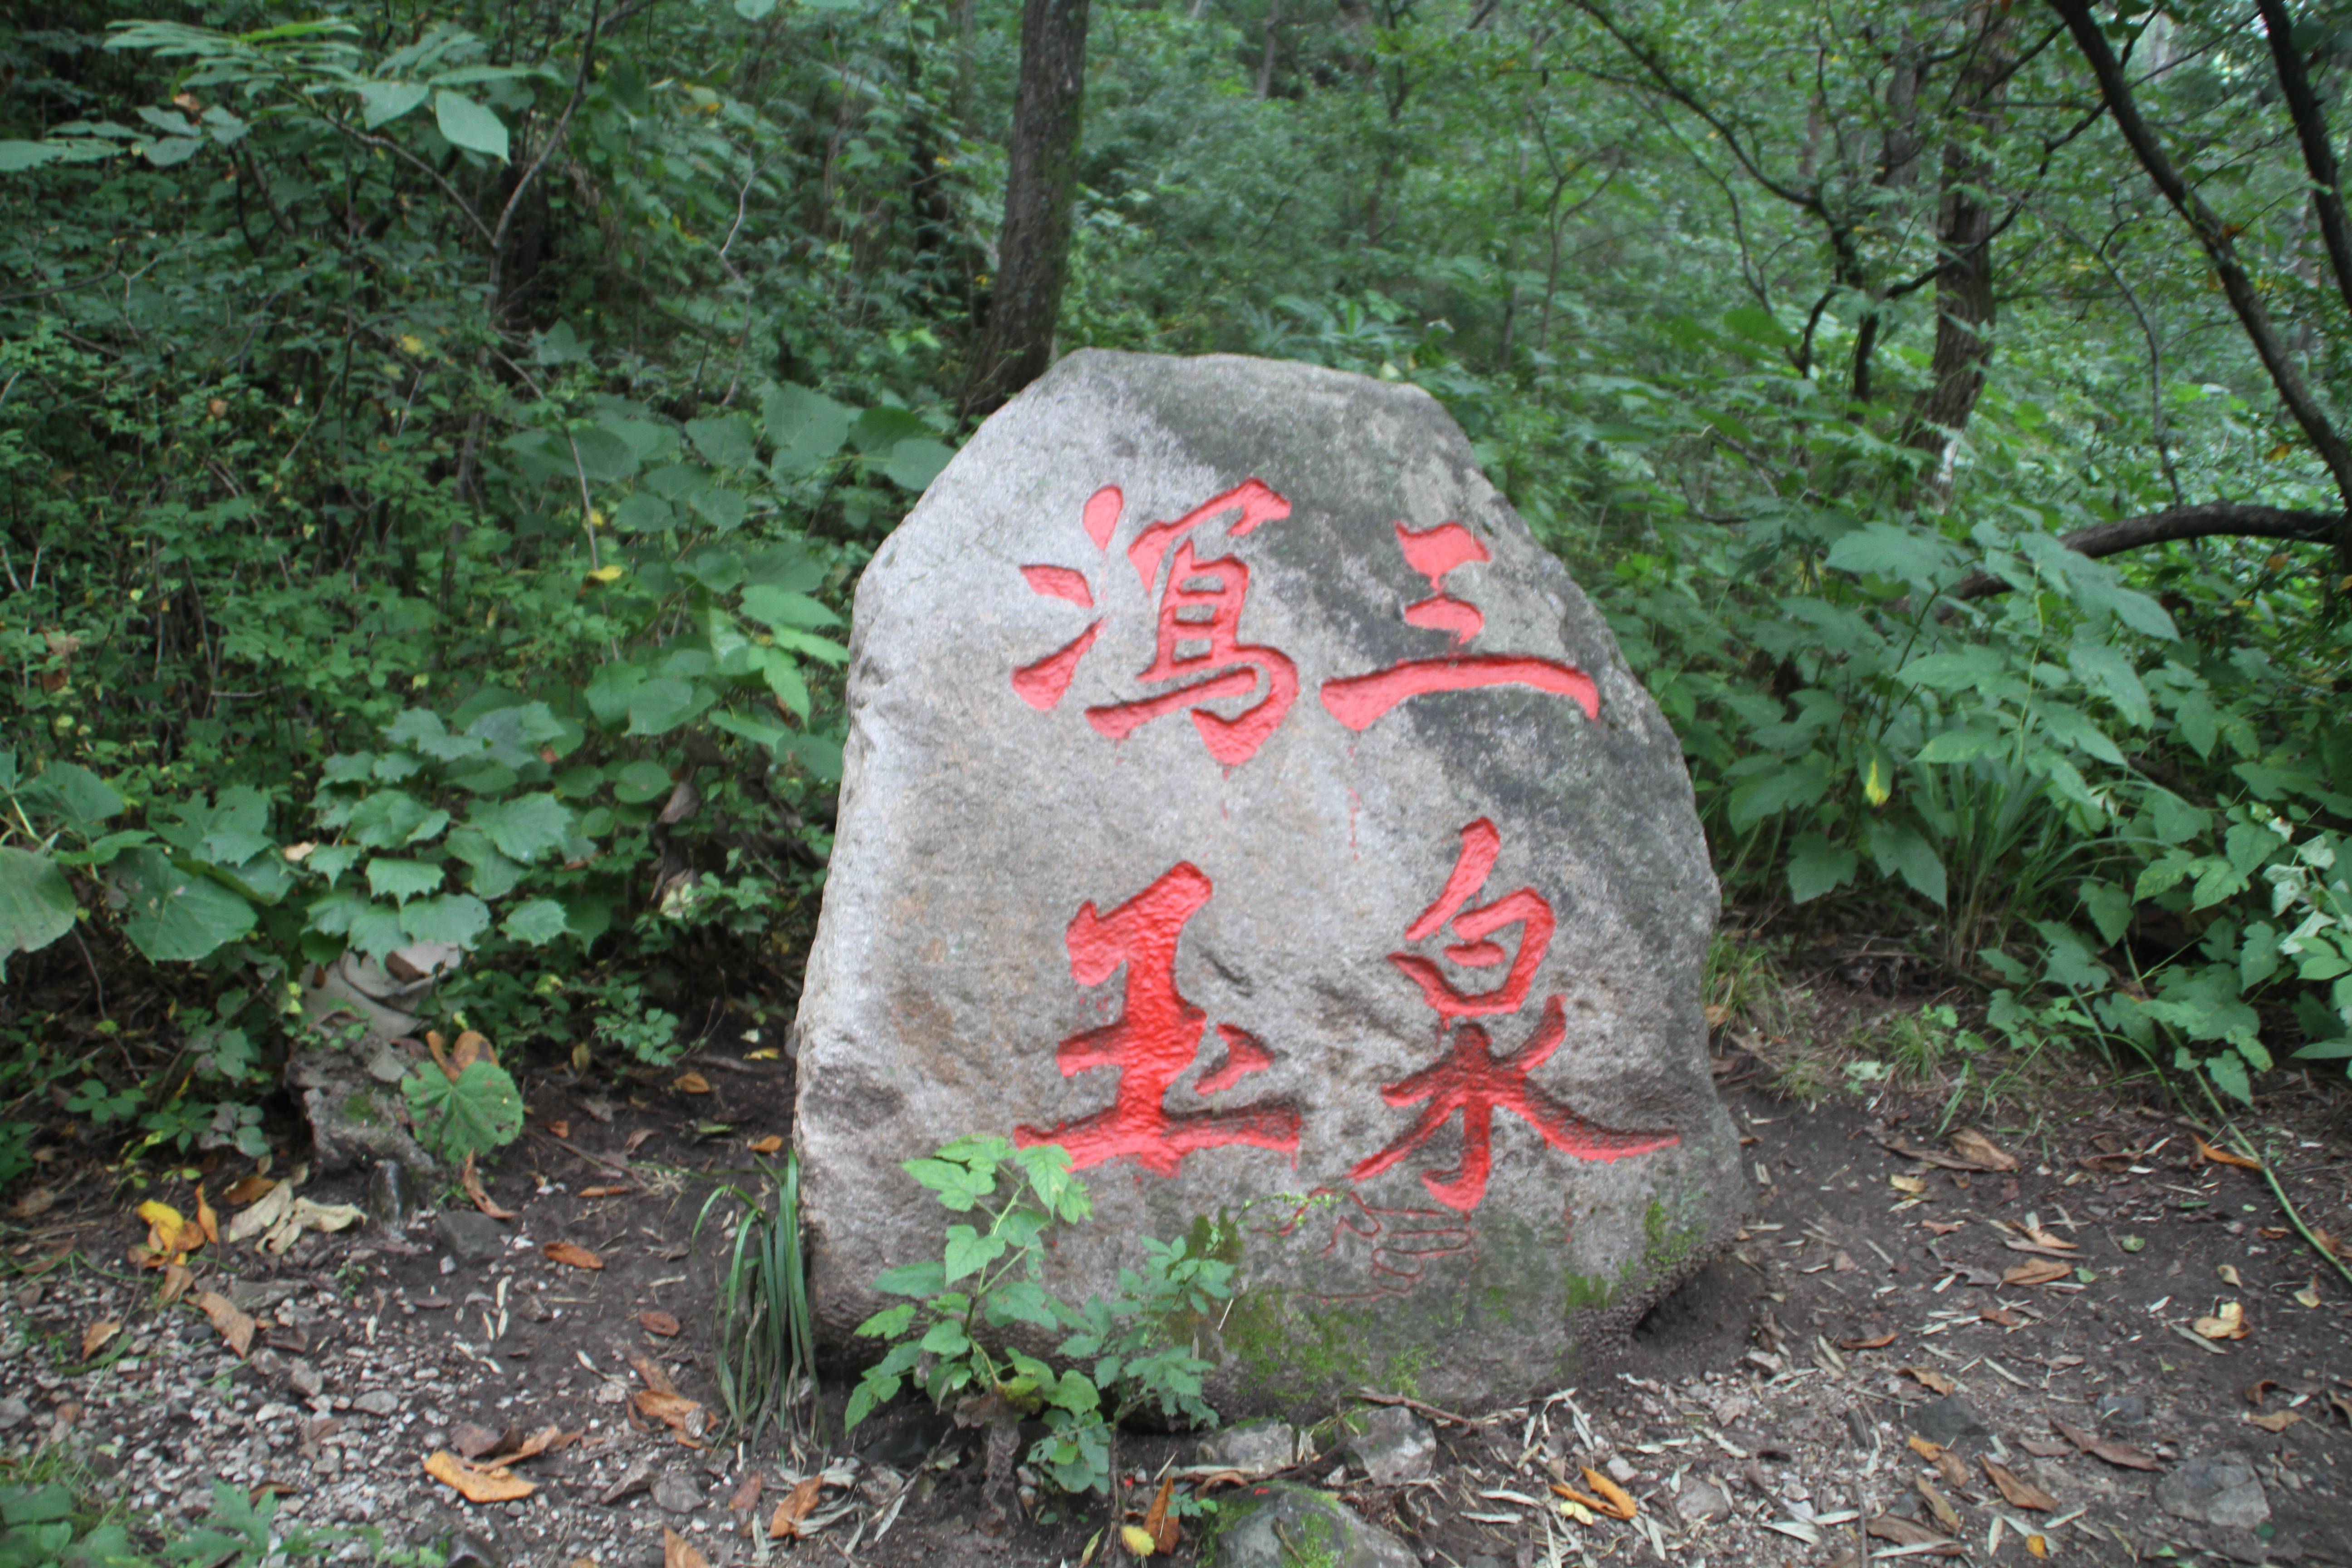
(1032, 259)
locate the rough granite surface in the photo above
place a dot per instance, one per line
(978, 820)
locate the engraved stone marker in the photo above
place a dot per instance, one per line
(1238, 796)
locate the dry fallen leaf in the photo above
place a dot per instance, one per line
(1909, 1532)
(1938, 1227)
(94, 1338)
(34, 1204)
(1138, 1539)
(1911, 1184)
(1955, 1474)
(1156, 1522)
(1585, 1506)
(476, 1483)
(304, 1216)
(572, 1256)
(676, 1411)
(691, 1083)
(1615, 1501)
(2277, 1421)
(471, 1046)
(547, 1439)
(1926, 1450)
(1976, 1148)
(2037, 1545)
(234, 1326)
(2040, 1271)
(767, 1145)
(207, 1221)
(606, 1192)
(2341, 1405)
(2020, 1492)
(480, 1194)
(473, 1440)
(636, 1140)
(2000, 1316)
(678, 1552)
(2229, 1276)
(659, 1322)
(747, 1494)
(798, 1504)
(562, 1129)
(2224, 1157)
(269, 1206)
(1935, 1381)
(1877, 1344)
(2106, 1449)
(651, 1371)
(1947, 1516)
(176, 1281)
(2258, 1389)
(2229, 1324)
(170, 1237)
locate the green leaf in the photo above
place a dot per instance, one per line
(37, 903)
(806, 428)
(402, 880)
(777, 609)
(479, 1113)
(1899, 849)
(2110, 909)
(165, 152)
(634, 783)
(659, 706)
(525, 826)
(889, 1323)
(174, 915)
(969, 1251)
(459, 918)
(879, 429)
(724, 442)
(470, 125)
(916, 462)
(868, 1394)
(382, 102)
(642, 513)
(604, 455)
(1816, 867)
(1884, 550)
(2228, 1075)
(945, 1338)
(534, 922)
(1758, 325)
(919, 1279)
(17, 157)
(723, 510)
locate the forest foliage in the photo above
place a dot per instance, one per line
(437, 445)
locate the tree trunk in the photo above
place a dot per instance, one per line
(1041, 185)
(1964, 302)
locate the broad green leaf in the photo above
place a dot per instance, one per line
(470, 125)
(660, 706)
(879, 429)
(634, 783)
(17, 157)
(916, 462)
(924, 1279)
(401, 880)
(806, 428)
(723, 510)
(479, 1113)
(724, 442)
(2110, 909)
(1758, 325)
(969, 1251)
(535, 922)
(779, 609)
(1883, 550)
(77, 794)
(173, 915)
(2103, 667)
(457, 918)
(37, 903)
(754, 10)
(1816, 867)
(166, 152)
(642, 513)
(382, 102)
(1899, 849)
(525, 826)
(604, 455)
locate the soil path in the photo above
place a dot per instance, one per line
(1764, 1414)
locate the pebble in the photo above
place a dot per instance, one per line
(673, 1493)
(2221, 1489)
(1394, 1447)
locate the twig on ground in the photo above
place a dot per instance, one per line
(1432, 1411)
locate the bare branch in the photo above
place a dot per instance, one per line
(2212, 520)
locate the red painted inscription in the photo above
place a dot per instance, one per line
(1042, 685)
(1155, 1041)
(1470, 1081)
(1358, 700)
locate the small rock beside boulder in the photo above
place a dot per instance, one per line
(1254, 1448)
(1392, 1446)
(1278, 1525)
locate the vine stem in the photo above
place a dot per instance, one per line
(2293, 1215)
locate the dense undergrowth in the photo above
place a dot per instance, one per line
(436, 446)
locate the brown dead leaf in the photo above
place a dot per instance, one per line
(2341, 1405)
(561, 1128)
(657, 1378)
(1911, 1184)
(1579, 1498)
(550, 1438)
(659, 1322)
(2256, 1391)
(767, 1145)
(234, 1326)
(798, 1504)
(1926, 1450)
(176, 1281)
(676, 1411)
(476, 1483)
(2043, 1449)
(94, 1338)
(2212, 1155)
(1946, 1516)
(2040, 1271)
(1938, 1227)
(1955, 1474)
(606, 1192)
(1977, 1149)
(1903, 1532)
(2277, 1420)
(1156, 1522)
(34, 1204)
(2020, 1492)
(2041, 1238)
(473, 1440)
(472, 1046)
(746, 1496)
(690, 1083)
(636, 1140)
(1999, 1316)
(207, 1221)
(476, 1191)
(1878, 1343)
(1615, 1501)
(678, 1552)
(572, 1256)
(2228, 1323)
(1933, 1381)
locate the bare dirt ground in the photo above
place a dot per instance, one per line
(1765, 1415)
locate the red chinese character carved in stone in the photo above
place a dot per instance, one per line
(1357, 701)
(1471, 1080)
(1155, 1041)
(1199, 640)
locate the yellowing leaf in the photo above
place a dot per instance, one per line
(2229, 1324)
(678, 1552)
(207, 1221)
(1138, 1539)
(166, 1230)
(1911, 1184)
(767, 1145)
(605, 575)
(1615, 1501)
(2230, 1276)
(2205, 1152)
(798, 1504)
(94, 1338)
(477, 1483)
(572, 1256)
(2309, 1296)
(691, 1083)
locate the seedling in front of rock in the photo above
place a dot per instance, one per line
(766, 1336)
(955, 1337)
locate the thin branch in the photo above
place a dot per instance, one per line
(554, 140)
(2310, 130)
(2210, 520)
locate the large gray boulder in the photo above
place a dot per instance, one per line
(1238, 796)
